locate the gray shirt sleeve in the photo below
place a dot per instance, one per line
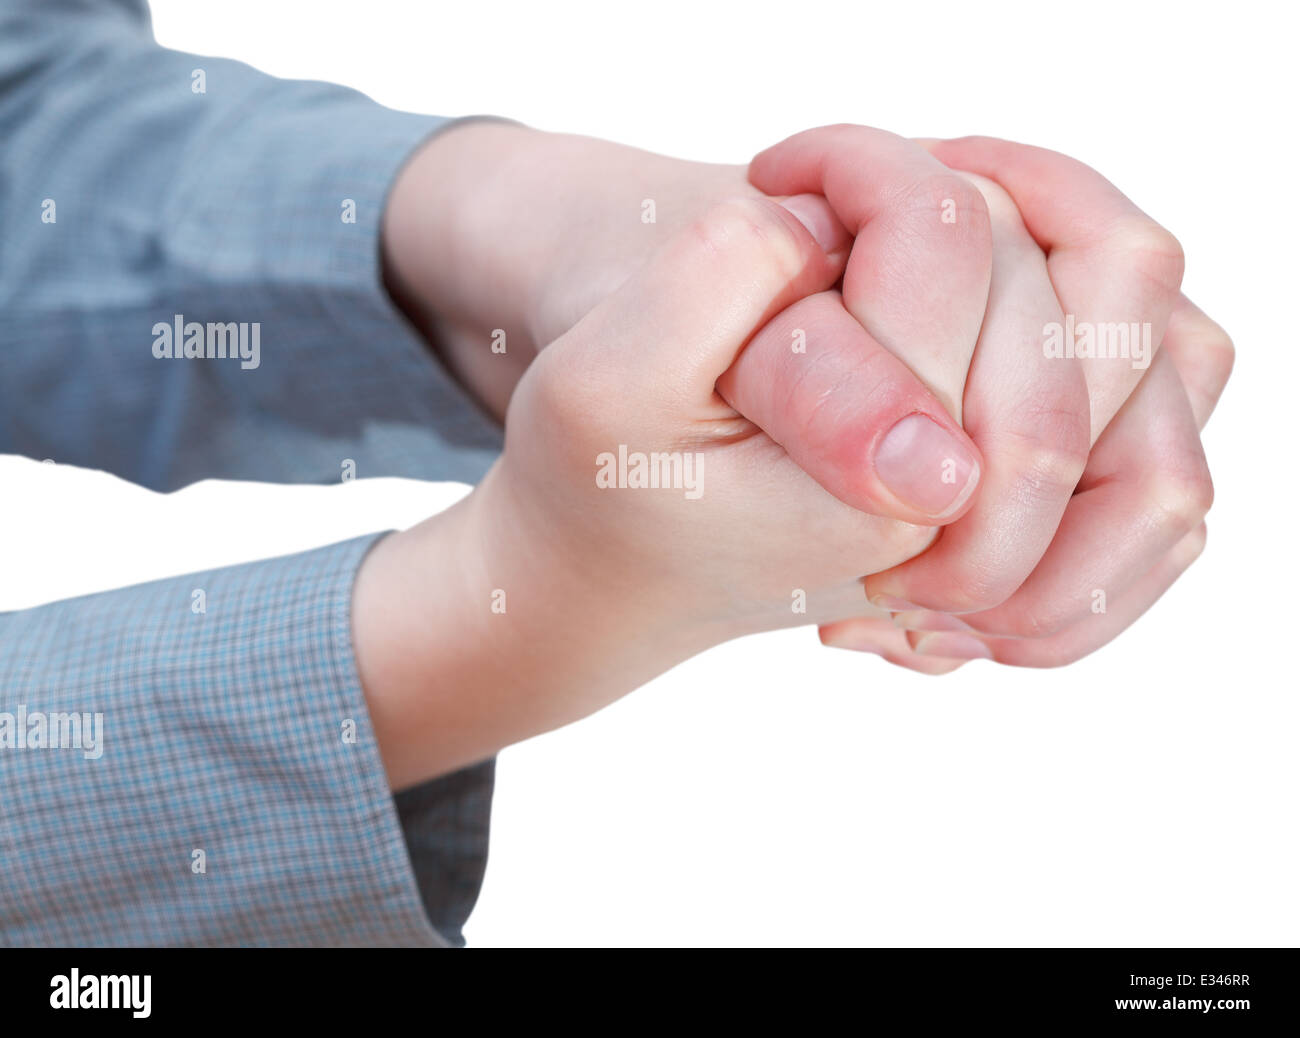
(142, 187)
(145, 189)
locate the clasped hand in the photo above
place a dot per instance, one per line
(945, 396)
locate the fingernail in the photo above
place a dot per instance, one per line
(891, 604)
(925, 466)
(928, 620)
(814, 212)
(952, 645)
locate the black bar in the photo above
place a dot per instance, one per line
(1247, 990)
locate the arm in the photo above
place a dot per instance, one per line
(228, 722)
(138, 183)
(223, 205)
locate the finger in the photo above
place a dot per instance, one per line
(883, 639)
(1091, 633)
(1146, 486)
(1202, 353)
(681, 320)
(1028, 414)
(918, 275)
(852, 415)
(1117, 272)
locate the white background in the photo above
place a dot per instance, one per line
(772, 791)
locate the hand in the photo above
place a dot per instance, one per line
(603, 586)
(562, 205)
(494, 226)
(1107, 262)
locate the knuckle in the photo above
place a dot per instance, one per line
(1041, 621)
(975, 589)
(1053, 470)
(1204, 354)
(848, 136)
(908, 540)
(1190, 547)
(1223, 356)
(873, 544)
(939, 191)
(1049, 439)
(816, 395)
(751, 226)
(570, 402)
(1035, 625)
(1151, 251)
(1215, 345)
(1183, 498)
(1001, 207)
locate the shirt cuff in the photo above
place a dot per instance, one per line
(234, 724)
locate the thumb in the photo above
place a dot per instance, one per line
(853, 416)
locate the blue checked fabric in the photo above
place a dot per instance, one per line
(222, 730)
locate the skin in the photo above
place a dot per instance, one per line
(1145, 474)
(676, 336)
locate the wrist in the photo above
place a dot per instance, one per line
(446, 234)
(479, 628)
(452, 214)
(497, 228)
